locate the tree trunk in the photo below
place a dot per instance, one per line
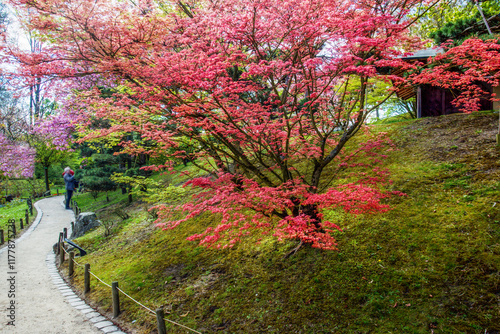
(484, 18)
(46, 169)
(310, 210)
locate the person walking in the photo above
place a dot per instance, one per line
(69, 179)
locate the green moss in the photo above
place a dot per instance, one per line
(431, 263)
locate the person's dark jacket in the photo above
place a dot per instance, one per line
(70, 181)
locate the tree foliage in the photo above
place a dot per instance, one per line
(267, 92)
(469, 22)
(455, 20)
(96, 176)
(468, 68)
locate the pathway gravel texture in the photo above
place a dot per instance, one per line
(30, 287)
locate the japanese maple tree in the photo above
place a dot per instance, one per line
(268, 93)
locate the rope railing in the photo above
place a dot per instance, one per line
(100, 280)
(145, 307)
(78, 264)
(158, 313)
(175, 323)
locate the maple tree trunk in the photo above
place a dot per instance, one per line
(310, 210)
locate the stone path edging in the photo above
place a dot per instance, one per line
(100, 322)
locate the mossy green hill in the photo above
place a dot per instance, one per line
(431, 264)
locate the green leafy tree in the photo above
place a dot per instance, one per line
(471, 22)
(96, 177)
(46, 157)
(457, 19)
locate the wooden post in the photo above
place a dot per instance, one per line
(59, 243)
(30, 206)
(71, 264)
(13, 224)
(27, 217)
(160, 321)
(65, 233)
(57, 191)
(419, 102)
(86, 278)
(61, 253)
(21, 223)
(116, 299)
(2, 240)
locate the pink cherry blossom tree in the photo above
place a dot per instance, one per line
(52, 139)
(16, 160)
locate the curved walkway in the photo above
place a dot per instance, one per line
(33, 297)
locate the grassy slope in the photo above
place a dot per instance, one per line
(432, 263)
(14, 210)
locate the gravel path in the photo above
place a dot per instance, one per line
(39, 305)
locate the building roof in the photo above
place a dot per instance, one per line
(424, 53)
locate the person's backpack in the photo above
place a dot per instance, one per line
(76, 183)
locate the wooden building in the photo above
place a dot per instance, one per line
(436, 101)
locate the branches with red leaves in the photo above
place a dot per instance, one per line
(267, 93)
(467, 68)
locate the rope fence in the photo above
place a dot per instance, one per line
(100, 280)
(159, 313)
(145, 307)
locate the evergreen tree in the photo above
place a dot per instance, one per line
(96, 176)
